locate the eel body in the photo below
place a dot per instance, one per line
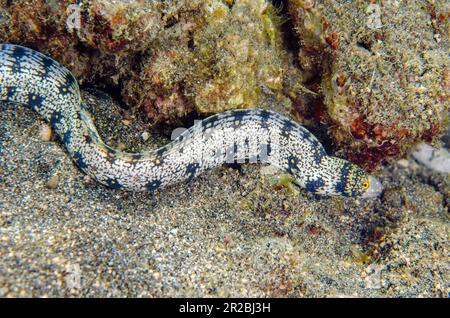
(253, 135)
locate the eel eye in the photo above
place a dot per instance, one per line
(365, 185)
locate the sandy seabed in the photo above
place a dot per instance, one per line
(234, 231)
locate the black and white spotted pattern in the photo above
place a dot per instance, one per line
(31, 78)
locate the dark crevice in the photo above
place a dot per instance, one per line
(364, 45)
(191, 43)
(287, 28)
(230, 4)
(170, 23)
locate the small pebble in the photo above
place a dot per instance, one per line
(403, 163)
(269, 170)
(87, 179)
(145, 136)
(432, 158)
(52, 182)
(121, 146)
(45, 132)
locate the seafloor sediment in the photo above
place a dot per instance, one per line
(370, 91)
(231, 232)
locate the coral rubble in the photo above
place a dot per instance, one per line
(381, 70)
(167, 58)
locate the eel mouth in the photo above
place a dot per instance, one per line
(374, 189)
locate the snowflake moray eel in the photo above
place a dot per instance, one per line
(252, 135)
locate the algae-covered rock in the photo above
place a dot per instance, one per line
(376, 74)
(92, 38)
(383, 72)
(167, 58)
(221, 56)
